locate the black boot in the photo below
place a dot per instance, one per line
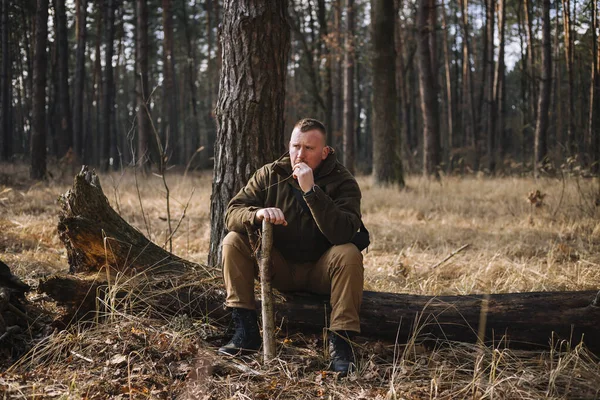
(340, 351)
(246, 338)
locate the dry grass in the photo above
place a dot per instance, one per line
(513, 246)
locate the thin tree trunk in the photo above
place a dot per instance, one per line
(108, 86)
(467, 79)
(448, 138)
(349, 129)
(541, 147)
(387, 165)
(530, 60)
(6, 136)
(198, 138)
(490, 104)
(65, 133)
(38, 132)
(322, 12)
(250, 132)
(81, 32)
(497, 149)
(337, 87)
(427, 89)
(557, 88)
(570, 112)
(171, 114)
(144, 128)
(595, 111)
(98, 140)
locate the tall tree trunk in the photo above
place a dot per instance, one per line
(108, 86)
(490, 104)
(171, 114)
(322, 13)
(557, 103)
(467, 80)
(570, 111)
(38, 131)
(6, 136)
(335, 130)
(250, 132)
(97, 140)
(387, 165)
(531, 72)
(496, 150)
(541, 127)
(594, 122)
(196, 138)
(65, 129)
(144, 124)
(447, 142)
(349, 130)
(78, 86)
(427, 89)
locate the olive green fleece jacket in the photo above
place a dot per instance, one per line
(334, 208)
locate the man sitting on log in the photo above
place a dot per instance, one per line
(313, 202)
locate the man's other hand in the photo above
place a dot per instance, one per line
(272, 215)
(304, 174)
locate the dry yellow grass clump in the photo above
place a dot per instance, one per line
(458, 235)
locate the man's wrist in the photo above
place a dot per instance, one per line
(311, 190)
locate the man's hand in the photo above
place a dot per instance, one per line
(304, 174)
(272, 215)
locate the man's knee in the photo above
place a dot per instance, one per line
(346, 255)
(235, 243)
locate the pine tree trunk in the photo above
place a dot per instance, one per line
(595, 95)
(530, 61)
(38, 131)
(144, 127)
(335, 131)
(570, 111)
(322, 13)
(78, 86)
(490, 104)
(497, 149)
(65, 128)
(349, 130)
(467, 80)
(6, 136)
(250, 132)
(171, 113)
(108, 86)
(447, 143)
(541, 127)
(387, 165)
(427, 89)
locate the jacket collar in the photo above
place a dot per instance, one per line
(282, 166)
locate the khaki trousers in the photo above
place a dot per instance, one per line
(339, 272)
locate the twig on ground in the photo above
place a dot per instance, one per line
(455, 252)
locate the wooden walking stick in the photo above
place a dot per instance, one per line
(268, 318)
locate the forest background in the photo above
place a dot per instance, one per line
(493, 98)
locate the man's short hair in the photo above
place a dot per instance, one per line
(309, 124)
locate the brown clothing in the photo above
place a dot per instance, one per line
(334, 208)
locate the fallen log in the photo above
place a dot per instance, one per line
(524, 320)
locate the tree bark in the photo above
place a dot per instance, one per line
(256, 41)
(65, 133)
(448, 141)
(427, 90)
(387, 165)
(495, 149)
(349, 129)
(100, 243)
(337, 115)
(38, 131)
(467, 80)
(570, 111)
(541, 147)
(322, 13)
(144, 125)
(490, 103)
(5, 84)
(78, 86)
(173, 138)
(108, 87)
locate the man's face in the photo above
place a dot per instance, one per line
(308, 147)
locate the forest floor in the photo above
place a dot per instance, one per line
(513, 246)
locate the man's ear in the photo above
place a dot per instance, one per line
(325, 152)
